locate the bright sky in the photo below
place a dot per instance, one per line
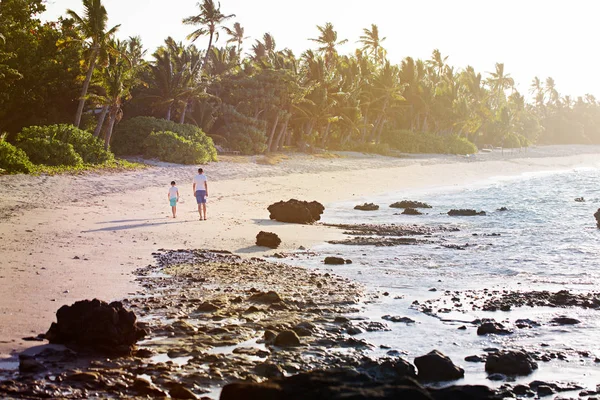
(531, 37)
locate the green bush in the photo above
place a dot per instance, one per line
(14, 160)
(513, 140)
(50, 152)
(246, 139)
(171, 147)
(428, 143)
(130, 136)
(90, 148)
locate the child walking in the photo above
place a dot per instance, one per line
(173, 198)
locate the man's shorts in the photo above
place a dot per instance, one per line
(173, 201)
(201, 196)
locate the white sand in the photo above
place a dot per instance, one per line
(113, 222)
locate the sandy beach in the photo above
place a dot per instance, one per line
(67, 238)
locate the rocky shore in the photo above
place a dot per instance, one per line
(212, 319)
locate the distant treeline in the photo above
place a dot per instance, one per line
(255, 97)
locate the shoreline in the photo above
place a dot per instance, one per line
(69, 238)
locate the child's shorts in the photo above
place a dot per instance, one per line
(173, 201)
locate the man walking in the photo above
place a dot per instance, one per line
(201, 192)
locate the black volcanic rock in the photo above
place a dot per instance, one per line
(367, 207)
(409, 204)
(334, 260)
(435, 367)
(339, 384)
(96, 325)
(268, 239)
(465, 212)
(510, 363)
(296, 211)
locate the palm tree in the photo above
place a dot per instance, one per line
(372, 43)
(93, 33)
(117, 81)
(499, 82)
(553, 95)
(209, 19)
(237, 37)
(537, 89)
(328, 39)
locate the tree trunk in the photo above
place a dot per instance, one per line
(169, 112)
(86, 85)
(182, 117)
(210, 39)
(272, 135)
(282, 132)
(326, 134)
(111, 125)
(101, 121)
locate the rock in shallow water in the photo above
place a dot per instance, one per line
(367, 207)
(96, 325)
(409, 204)
(510, 363)
(287, 339)
(435, 367)
(347, 384)
(465, 212)
(492, 327)
(334, 260)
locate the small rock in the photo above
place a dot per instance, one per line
(562, 320)
(334, 261)
(492, 327)
(367, 207)
(287, 339)
(436, 367)
(510, 363)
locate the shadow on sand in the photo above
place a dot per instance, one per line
(268, 222)
(134, 226)
(128, 220)
(252, 250)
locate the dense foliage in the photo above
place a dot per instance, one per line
(13, 159)
(89, 148)
(411, 142)
(131, 139)
(266, 99)
(51, 152)
(171, 147)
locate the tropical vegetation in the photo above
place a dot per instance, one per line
(254, 97)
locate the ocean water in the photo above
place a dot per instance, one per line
(546, 241)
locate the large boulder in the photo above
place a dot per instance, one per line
(597, 216)
(409, 204)
(268, 239)
(510, 363)
(96, 325)
(296, 211)
(436, 367)
(411, 211)
(465, 213)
